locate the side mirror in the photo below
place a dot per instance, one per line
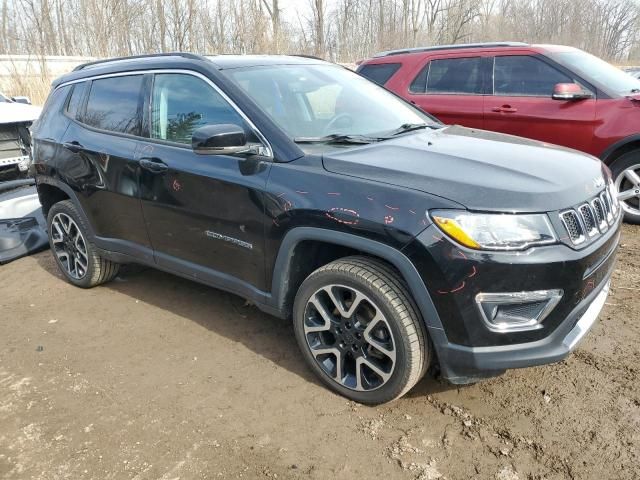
(570, 91)
(25, 100)
(222, 139)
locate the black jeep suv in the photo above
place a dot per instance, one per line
(393, 243)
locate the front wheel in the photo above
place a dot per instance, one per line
(626, 174)
(359, 331)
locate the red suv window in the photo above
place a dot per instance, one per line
(450, 76)
(521, 75)
(379, 73)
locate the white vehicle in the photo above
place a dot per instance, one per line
(16, 116)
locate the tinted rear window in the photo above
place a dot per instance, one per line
(450, 76)
(77, 95)
(380, 73)
(113, 104)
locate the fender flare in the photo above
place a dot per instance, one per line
(54, 182)
(417, 288)
(604, 156)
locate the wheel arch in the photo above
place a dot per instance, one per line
(52, 191)
(615, 151)
(289, 272)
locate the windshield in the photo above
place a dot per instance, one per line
(594, 69)
(4, 99)
(317, 101)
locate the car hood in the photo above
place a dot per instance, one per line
(18, 112)
(478, 169)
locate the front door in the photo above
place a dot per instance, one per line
(204, 213)
(451, 89)
(521, 104)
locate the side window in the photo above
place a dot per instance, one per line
(523, 75)
(182, 103)
(380, 73)
(75, 100)
(461, 76)
(114, 104)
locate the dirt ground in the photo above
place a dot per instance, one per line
(156, 377)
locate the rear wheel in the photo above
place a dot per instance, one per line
(626, 174)
(74, 253)
(359, 331)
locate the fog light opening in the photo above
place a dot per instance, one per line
(517, 311)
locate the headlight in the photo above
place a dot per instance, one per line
(489, 231)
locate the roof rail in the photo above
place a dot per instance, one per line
(192, 56)
(312, 57)
(450, 47)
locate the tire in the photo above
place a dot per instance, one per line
(625, 182)
(75, 254)
(359, 310)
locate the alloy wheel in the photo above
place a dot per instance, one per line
(628, 186)
(69, 245)
(349, 337)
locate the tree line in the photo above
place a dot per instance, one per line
(339, 30)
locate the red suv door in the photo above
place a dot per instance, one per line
(522, 103)
(450, 88)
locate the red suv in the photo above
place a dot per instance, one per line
(550, 93)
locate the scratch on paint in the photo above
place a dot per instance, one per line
(391, 208)
(345, 211)
(457, 289)
(474, 270)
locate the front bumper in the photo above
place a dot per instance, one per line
(460, 364)
(466, 348)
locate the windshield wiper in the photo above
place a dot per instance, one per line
(337, 138)
(410, 127)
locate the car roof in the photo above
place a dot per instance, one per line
(180, 60)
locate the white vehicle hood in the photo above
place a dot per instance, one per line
(18, 112)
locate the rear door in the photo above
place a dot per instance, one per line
(204, 213)
(522, 105)
(451, 88)
(97, 155)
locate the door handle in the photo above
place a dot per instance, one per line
(154, 165)
(504, 109)
(74, 146)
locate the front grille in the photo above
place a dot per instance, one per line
(591, 218)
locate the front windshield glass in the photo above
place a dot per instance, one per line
(594, 69)
(315, 101)
(4, 99)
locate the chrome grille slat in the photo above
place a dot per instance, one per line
(590, 218)
(573, 225)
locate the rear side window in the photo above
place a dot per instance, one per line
(75, 101)
(522, 75)
(52, 107)
(182, 103)
(461, 76)
(113, 104)
(380, 73)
